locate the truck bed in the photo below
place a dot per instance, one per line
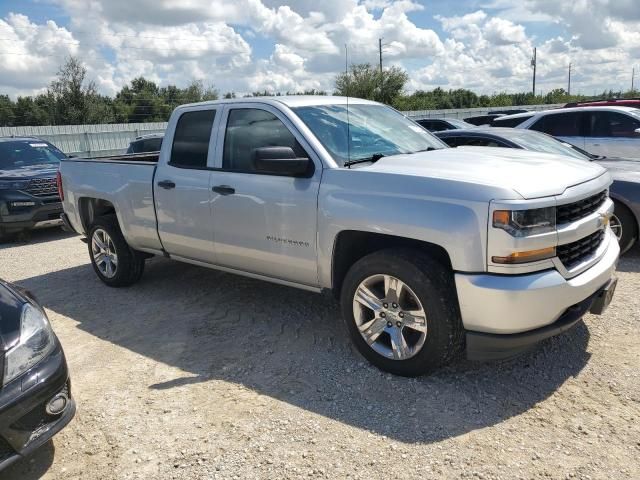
(125, 181)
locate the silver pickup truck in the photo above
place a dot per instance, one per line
(430, 250)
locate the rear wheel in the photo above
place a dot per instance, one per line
(115, 263)
(401, 310)
(624, 226)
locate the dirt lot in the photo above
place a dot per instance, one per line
(196, 374)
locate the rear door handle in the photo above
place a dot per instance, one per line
(166, 184)
(224, 189)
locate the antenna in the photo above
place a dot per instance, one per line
(346, 70)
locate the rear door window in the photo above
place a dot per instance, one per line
(561, 124)
(191, 139)
(611, 124)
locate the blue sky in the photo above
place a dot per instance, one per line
(246, 45)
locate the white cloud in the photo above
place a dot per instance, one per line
(503, 32)
(31, 54)
(219, 42)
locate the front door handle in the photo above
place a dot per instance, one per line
(224, 189)
(166, 184)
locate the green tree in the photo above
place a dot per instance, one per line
(75, 98)
(141, 102)
(363, 80)
(33, 111)
(7, 115)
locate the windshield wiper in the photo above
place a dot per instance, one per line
(428, 149)
(373, 158)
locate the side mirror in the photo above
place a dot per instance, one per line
(281, 161)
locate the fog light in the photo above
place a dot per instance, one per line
(23, 204)
(57, 404)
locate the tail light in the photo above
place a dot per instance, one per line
(59, 183)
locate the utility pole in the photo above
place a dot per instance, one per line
(534, 63)
(569, 86)
(346, 59)
(633, 78)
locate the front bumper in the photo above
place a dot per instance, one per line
(45, 211)
(512, 304)
(25, 424)
(491, 346)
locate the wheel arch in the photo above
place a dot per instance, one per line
(351, 245)
(91, 208)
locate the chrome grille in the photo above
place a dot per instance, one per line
(572, 254)
(43, 187)
(575, 211)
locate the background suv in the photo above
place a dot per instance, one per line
(28, 189)
(608, 131)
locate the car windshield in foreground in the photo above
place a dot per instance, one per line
(375, 131)
(28, 153)
(541, 142)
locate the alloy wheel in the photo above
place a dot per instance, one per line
(390, 317)
(104, 253)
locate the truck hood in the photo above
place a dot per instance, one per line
(530, 174)
(28, 172)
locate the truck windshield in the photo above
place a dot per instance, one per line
(375, 131)
(27, 153)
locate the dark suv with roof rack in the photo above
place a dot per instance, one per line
(28, 188)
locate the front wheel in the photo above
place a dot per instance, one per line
(624, 227)
(401, 310)
(115, 263)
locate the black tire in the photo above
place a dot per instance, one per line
(629, 227)
(130, 266)
(434, 286)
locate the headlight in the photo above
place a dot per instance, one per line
(36, 342)
(522, 223)
(13, 184)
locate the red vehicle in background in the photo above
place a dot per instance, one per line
(612, 102)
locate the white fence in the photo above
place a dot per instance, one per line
(88, 140)
(112, 139)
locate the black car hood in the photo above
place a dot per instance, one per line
(11, 302)
(622, 168)
(29, 172)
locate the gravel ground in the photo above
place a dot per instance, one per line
(197, 374)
